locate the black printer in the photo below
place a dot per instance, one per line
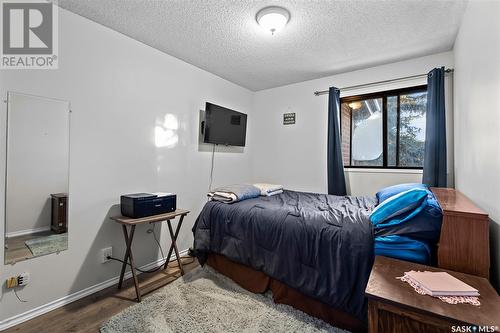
(147, 204)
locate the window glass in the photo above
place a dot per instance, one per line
(367, 127)
(397, 114)
(412, 129)
(392, 130)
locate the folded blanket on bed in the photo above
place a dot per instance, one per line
(234, 193)
(268, 194)
(269, 189)
(222, 196)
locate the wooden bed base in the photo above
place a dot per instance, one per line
(258, 282)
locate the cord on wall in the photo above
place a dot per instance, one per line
(212, 170)
(165, 260)
(20, 299)
(158, 242)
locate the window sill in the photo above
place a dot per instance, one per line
(375, 170)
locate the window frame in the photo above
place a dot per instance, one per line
(383, 95)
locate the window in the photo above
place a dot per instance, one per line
(385, 129)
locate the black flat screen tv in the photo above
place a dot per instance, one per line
(224, 126)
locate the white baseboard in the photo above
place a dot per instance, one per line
(40, 310)
(26, 232)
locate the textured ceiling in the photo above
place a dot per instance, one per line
(321, 39)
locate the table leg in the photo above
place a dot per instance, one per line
(129, 257)
(173, 237)
(132, 264)
(372, 317)
(125, 259)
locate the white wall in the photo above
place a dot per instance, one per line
(477, 114)
(368, 182)
(37, 161)
(120, 90)
(295, 155)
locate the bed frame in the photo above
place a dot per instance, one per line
(258, 282)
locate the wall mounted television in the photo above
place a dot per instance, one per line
(224, 126)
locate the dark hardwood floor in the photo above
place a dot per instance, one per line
(89, 313)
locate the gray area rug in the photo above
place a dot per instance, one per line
(47, 244)
(206, 301)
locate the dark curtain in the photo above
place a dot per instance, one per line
(336, 177)
(435, 131)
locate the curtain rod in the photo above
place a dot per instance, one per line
(324, 92)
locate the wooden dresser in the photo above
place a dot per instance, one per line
(464, 242)
(59, 214)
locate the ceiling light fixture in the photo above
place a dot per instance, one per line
(273, 18)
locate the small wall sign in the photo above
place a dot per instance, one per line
(289, 118)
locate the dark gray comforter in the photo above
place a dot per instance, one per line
(321, 245)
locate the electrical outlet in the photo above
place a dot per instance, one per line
(23, 279)
(106, 252)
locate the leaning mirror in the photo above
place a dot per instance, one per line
(37, 172)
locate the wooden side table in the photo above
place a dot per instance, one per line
(131, 223)
(394, 306)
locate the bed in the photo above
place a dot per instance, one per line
(314, 251)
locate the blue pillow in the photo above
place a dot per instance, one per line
(388, 192)
(426, 225)
(410, 202)
(403, 248)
